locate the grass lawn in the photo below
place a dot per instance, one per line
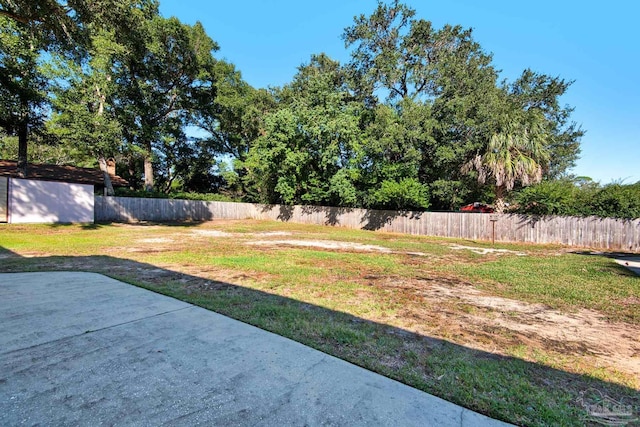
(521, 335)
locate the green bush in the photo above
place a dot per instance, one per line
(568, 197)
(127, 192)
(207, 197)
(407, 193)
(549, 198)
(617, 200)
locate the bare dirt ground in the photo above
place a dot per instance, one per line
(485, 251)
(322, 244)
(492, 323)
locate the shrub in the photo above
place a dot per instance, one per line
(207, 197)
(407, 193)
(549, 198)
(566, 197)
(617, 201)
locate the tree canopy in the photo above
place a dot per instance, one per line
(416, 119)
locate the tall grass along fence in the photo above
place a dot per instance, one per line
(593, 232)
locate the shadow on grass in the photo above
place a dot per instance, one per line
(502, 387)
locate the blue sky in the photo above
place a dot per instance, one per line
(594, 43)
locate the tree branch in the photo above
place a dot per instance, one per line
(18, 18)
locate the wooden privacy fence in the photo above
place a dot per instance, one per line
(593, 232)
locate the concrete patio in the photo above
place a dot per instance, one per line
(83, 349)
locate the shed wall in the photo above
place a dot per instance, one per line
(32, 201)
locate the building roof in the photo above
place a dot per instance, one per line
(71, 174)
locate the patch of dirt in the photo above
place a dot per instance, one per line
(324, 244)
(616, 342)
(221, 275)
(141, 250)
(218, 233)
(178, 241)
(156, 240)
(485, 251)
(492, 323)
(136, 226)
(273, 233)
(30, 254)
(211, 233)
(332, 245)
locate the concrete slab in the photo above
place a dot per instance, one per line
(84, 349)
(632, 263)
(40, 307)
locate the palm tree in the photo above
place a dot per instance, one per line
(516, 153)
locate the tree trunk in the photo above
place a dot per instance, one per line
(108, 186)
(133, 177)
(500, 203)
(23, 134)
(167, 187)
(148, 173)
